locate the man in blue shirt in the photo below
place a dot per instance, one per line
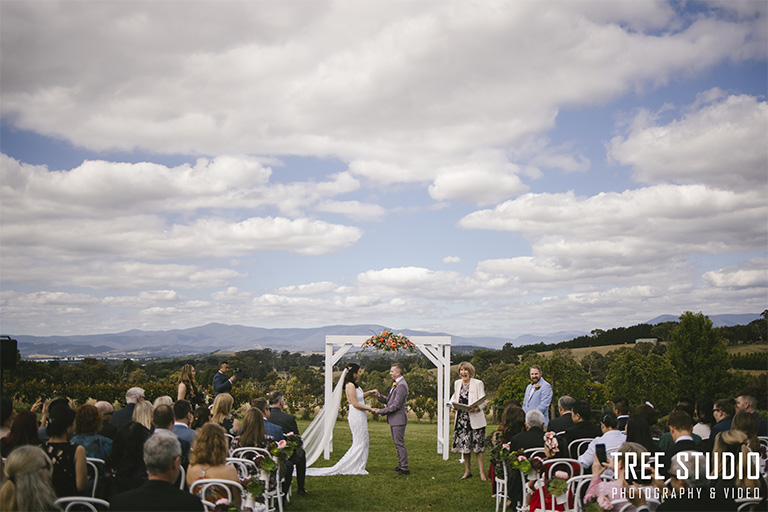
(538, 394)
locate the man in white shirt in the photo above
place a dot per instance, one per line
(612, 438)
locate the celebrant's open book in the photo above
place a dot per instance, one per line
(465, 407)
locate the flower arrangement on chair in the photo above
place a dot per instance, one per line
(223, 505)
(389, 342)
(600, 504)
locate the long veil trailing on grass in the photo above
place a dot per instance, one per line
(316, 436)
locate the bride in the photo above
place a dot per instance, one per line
(353, 462)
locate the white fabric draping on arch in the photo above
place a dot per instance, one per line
(319, 433)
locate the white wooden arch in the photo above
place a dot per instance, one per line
(436, 348)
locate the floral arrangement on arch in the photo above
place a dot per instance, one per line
(389, 342)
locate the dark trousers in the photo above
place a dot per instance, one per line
(299, 460)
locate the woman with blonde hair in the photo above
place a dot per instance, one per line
(208, 458)
(469, 425)
(222, 413)
(735, 442)
(162, 400)
(187, 389)
(142, 413)
(29, 485)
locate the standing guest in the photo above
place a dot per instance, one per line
(142, 413)
(87, 425)
(125, 415)
(222, 383)
(201, 416)
(29, 485)
(162, 454)
(23, 433)
(271, 429)
(128, 469)
(222, 413)
(253, 431)
(187, 389)
(70, 473)
(723, 412)
(209, 458)
(706, 419)
(621, 410)
(287, 424)
(106, 410)
(538, 394)
(565, 420)
(182, 414)
(748, 403)
(162, 400)
(612, 438)
(469, 426)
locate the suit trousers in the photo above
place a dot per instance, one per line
(398, 436)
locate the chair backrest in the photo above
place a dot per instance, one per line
(182, 477)
(534, 452)
(579, 446)
(577, 487)
(216, 485)
(95, 466)
(747, 504)
(570, 466)
(763, 441)
(73, 503)
(249, 452)
(244, 467)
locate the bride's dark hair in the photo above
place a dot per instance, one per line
(352, 369)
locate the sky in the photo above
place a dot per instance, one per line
(482, 168)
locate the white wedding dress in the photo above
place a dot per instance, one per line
(353, 462)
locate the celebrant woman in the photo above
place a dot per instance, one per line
(469, 425)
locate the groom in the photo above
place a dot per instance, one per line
(396, 415)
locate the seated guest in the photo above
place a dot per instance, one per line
(29, 485)
(209, 459)
(512, 423)
(87, 425)
(162, 419)
(621, 410)
(612, 489)
(582, 428)
(162, 455)
(681, 430)
(747, 423)
(648, 411)
(106, 410)
(70, 473)
(691, 493)
(253, 431)
(128, 470)
(565, 419)
(639, 432)
(612, 438)
(7, 414)
(748, 403)
(270, 429)
(666, 441)
(732, 483)
(182, 413)
(162, 400)
(706, 419)
(41, 432)
(533, 436)
(201, 416)
(125, 415)
(723, 411)
(23, 433)
(222, 413)
(142, 413)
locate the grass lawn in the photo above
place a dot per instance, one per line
(432, 485)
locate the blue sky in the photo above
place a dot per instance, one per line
(478, 168)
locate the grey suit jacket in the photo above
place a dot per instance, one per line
(395, 400)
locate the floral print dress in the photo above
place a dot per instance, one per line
(465, 439)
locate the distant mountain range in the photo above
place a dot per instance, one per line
(215, 337)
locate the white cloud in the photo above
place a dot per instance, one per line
(232, 293)
(751, 274)
(720, 143)
(451, 259)
(307, 290)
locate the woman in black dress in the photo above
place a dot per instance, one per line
(70, 472)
